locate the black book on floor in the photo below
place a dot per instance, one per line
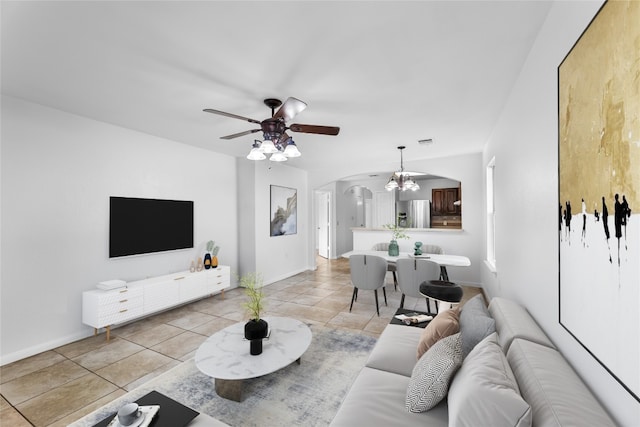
(406, 312)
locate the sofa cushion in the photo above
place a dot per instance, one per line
(377, 398)
(555, 392)
(204, 420)
(395, 350)
(475, 323)
(484, 388)
(443, 325)
(514, 321)
(432, 374)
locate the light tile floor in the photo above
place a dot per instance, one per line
(57, 387)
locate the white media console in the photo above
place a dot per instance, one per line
(104, 308)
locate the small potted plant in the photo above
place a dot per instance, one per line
(256, 328)
(398, 233)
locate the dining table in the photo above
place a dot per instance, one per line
(443, 260)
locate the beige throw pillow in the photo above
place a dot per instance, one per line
(446, 323)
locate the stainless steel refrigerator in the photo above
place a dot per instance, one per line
(414, 213)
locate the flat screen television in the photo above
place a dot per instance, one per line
(142, 226)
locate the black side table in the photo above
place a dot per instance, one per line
(171, 413)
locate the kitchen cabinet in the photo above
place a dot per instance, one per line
(445, 213)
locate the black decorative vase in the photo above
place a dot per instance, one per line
(207, 261)
(255, 347)
(255, 331)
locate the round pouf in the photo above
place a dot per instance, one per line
(441, 290)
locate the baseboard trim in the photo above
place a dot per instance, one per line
(286, 276)
(5, 359)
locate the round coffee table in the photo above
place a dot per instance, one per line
(225, 354)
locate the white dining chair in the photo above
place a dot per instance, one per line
(411, 273)
(368, 272)
(435, 249)
(391, 266)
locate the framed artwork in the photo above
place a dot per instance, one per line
(599, 191)
(284, 211)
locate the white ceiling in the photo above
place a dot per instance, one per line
(387, 73)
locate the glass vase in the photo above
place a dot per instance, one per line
(393, 248)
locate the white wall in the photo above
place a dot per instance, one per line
(58, 171)
(246, 217)
(524, 144)
(279, 257)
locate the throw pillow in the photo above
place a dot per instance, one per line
(443, 325)
(475, 323)
(432, 374)
(485, 388)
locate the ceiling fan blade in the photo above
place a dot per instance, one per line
(235, 135)
(233, 116)
(291, 108)
(322, 130)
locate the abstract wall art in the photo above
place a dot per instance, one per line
(599, 191)
(284, 211)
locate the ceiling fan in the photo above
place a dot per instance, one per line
(274, 129)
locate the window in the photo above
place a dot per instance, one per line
(491, 216)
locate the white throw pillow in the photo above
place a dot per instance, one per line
(485, 392)
(432, 374)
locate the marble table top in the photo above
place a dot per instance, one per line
(440, 259)
(225, 354)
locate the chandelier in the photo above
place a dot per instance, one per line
(401, 180)
(279, 151)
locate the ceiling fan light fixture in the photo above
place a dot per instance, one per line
(256, 151)
(292, 149)
(275, 127)
(268, 147)
(278, 156)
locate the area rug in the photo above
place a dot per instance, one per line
(308, 394)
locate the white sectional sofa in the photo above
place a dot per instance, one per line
(513, 376)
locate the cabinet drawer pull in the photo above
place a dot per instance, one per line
(179, 278)
(123, 300)
(122, 311)
(124, 290)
